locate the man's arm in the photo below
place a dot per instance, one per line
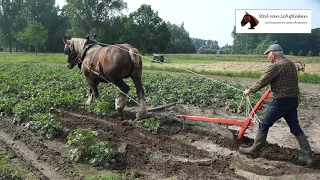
(270, 74)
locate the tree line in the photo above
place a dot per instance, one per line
(40, 26)
(292, 44)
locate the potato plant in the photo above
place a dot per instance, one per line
(85, 148)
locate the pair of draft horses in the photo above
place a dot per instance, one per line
(109, 64)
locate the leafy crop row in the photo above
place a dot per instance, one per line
(28, 89)
(32, 95)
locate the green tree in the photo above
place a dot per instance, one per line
(226, 49)
(35, 34)
(51, 17)
(245, 43)
(146, 30)
(310, 53)
(203, 43)
(10, 20)
(161, 38)
(180, 40)
(91, 16)
(261, 48)
(300, 53)
(291, 53)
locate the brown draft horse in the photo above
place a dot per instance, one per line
(112, 64)
(247, 18)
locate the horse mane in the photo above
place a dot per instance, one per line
(77, 44)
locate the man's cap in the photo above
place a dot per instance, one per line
(273, 47)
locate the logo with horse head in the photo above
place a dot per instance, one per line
(247, 18)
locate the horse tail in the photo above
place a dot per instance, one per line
(135, 58)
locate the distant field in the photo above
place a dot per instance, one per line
(210, 58)
(251, 66)
(169, 58)
(59, 58)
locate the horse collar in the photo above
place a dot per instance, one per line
(83, 53)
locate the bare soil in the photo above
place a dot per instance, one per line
(239, 66)
(180, 150)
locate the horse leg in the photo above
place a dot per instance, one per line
(89, 96)
(94, 94)
(142, 113)
(121, 99)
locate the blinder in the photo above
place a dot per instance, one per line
(76, 58)
(72, 56)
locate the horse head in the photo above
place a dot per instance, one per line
(72, 48)
(246, 18)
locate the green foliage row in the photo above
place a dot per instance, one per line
(151, 124)
(86, 149)
(6, 170)
(41, 89)
(43, 125)
(33, 93)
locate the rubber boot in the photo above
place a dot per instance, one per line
(256, 147)
(306, 153)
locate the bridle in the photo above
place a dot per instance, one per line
(77, 59)
(73, 59)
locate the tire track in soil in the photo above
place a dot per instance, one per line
(31, 149)
(16, 161)
(47, 171)
(143, 148)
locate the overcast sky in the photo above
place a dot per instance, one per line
(214, 19)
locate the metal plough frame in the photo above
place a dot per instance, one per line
(244, 124)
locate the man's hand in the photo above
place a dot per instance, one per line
(246, 92)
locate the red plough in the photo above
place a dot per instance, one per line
(244, 124)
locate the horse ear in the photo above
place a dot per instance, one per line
(87, 37)
(247, 13)
(94, 36)
(64, 41)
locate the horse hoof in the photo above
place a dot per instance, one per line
(119, 109)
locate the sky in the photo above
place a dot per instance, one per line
(215, 19)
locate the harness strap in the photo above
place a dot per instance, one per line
(83, 54)
(99, 63)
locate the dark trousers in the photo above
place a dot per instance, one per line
(282, 107)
